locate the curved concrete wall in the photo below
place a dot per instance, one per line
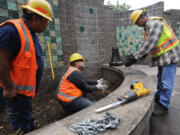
(134, 117)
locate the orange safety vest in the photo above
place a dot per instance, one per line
(67, 91)
(23, 66)
(167, 41)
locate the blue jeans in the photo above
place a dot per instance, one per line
(19, 110)
(76, 105)
(166, 76)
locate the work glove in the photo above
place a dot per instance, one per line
(101, 86)
(129, 60)
(101, 81)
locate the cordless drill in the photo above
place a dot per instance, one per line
(137, 91)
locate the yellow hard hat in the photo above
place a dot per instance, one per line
(76, 56)
(135, 15)
(40, 7)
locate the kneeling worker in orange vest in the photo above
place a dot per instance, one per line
(74, 85)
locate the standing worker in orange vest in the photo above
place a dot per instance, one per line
(73, 86)
(21, 62)
(163, 46)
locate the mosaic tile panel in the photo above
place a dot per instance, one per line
(12, 6)
(129, 38)
(12, 9)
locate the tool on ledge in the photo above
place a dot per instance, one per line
(137, 91)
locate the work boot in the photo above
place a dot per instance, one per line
(158, 109)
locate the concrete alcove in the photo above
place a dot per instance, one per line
(134, 117)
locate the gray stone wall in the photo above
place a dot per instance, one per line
(107, 33)
(67, 25)
(89, 27)
(86, 26)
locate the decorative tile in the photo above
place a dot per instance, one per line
(12, 9)
(12, 6)
(55, 2)
(3, 4)
(4, 12)
(81, 28)
(129, 38)
(91, 10)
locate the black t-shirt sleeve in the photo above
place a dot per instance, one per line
(9, 39)
(80, 81)
(91, 82)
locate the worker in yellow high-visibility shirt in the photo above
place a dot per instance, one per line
(163, 46)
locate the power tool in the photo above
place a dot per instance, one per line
(137, 91)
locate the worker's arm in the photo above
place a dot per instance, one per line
(91, 82)
(9, 89)
(154, 32)
(9, 48)
(80, 81)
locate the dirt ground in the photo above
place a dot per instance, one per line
(46, 110)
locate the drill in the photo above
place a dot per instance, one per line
(137, 91)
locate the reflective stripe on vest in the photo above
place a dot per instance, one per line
(67, 90)
(27, 43)
(66, 96)
(67, 72)
(26, 48)
(24, 88)
(60, 84)
(165, 42)
(164, 46)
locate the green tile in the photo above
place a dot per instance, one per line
(47, 39)
(2, 19)
(3, 4)
(58, 39)
(12, 6)
(4, 12)
(57, 27)
(91, 10)
(59, 52)
(13, 14)
(93, 41)
(81, 28)
(60, 57)
(53, 39)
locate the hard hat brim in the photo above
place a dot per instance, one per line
(78, 59)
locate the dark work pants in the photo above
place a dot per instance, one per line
(76, 105)
(2, 100)
(19, 110)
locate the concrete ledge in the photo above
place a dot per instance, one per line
(134, 116)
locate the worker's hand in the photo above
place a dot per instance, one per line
(10, 93)
(101, 86)
(129, 60)
(100, 80)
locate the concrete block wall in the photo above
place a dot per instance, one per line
(107, 34)
(92, 29)
(67, 28)
(86, 31)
